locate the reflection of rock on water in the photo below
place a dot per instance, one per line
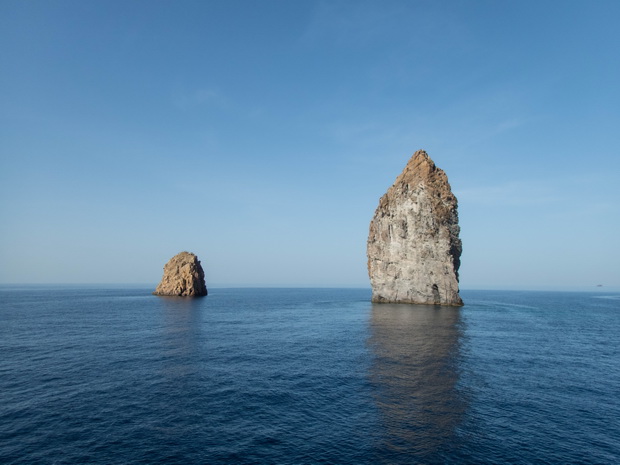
(181, 337)
(415, 372)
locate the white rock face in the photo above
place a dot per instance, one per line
(414, 248)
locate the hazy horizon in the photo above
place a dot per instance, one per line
(584, 288)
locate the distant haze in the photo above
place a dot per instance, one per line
(261, 135)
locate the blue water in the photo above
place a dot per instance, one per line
(307, 376)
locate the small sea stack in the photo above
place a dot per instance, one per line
(414, 250)
(183, 276)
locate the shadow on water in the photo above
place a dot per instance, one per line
(415, 371)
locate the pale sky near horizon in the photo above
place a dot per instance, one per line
(261, 135)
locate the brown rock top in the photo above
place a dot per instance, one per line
(183, 276)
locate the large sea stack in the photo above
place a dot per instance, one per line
(183, 276)
(414, 248)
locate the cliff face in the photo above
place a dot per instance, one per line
(183, 276)
(413, 245)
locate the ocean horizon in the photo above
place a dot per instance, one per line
(112, 374)
(589, 288)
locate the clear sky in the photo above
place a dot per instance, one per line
(260, 135)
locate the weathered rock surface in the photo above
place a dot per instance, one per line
(414, 248)
(183, 276)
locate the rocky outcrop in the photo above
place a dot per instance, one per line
(183, 276)
(414, 248)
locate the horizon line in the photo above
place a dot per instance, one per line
(550, 288)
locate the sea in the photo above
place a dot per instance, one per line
(307, 376)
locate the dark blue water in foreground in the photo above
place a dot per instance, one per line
(307, 376)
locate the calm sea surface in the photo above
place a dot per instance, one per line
(307, 376)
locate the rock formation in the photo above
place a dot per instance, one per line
(183, 276)
(414, 248)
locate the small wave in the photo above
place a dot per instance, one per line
(505, 304)
(607, 297)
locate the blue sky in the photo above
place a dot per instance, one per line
(261, 135)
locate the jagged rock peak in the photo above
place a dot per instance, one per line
(413, 245)
(421, 168)
(183, 276)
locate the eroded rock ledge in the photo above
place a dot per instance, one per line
(413, 245)
(183, 276)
